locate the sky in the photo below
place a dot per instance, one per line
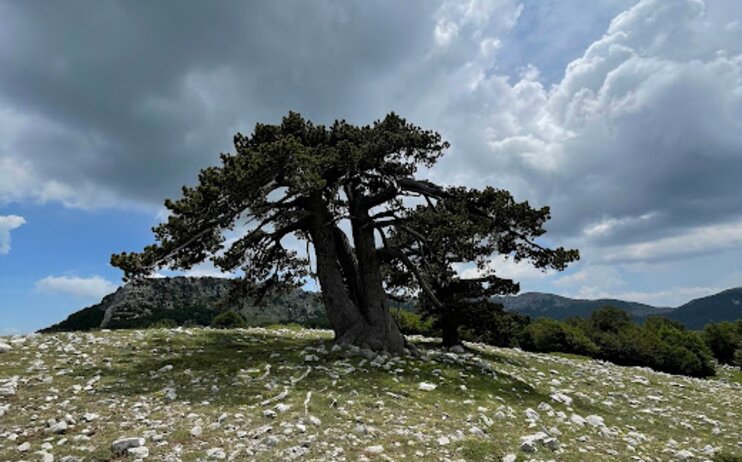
(624, 116)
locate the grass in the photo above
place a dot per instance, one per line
(222, 379)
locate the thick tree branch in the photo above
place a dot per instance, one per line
(396, 253)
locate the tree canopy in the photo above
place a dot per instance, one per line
(346, 190)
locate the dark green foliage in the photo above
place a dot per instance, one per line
(165, 323)
(410, 323)
(609, 319)
(661, 344)
(196, 315)
(488, 322)
(549, 335)
(469, 226)
(737, 358)
(83, 320)
(724, 339)
(318, 321)
(228, 320)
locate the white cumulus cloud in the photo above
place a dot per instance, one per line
(93, 287)
(7, 224)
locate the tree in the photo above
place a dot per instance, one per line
(339, 188)
(724, 339)
(460, 226)
(300, 179)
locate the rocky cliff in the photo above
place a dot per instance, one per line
(191, 301)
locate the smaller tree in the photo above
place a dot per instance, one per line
(466, 226)
(723, 339)
(228, 320)
(609, 319)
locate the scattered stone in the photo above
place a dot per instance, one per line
(165, 368)
(561, 398)
(374, 450)
(58, 427)
(119, 447)
(171, 394)
(595, 421)
(197, 431)
(140, 452)
(458, 349)
(4, 347)
(476, 431)
(9, 388)
(530, 443)
(216, 454)
(282, 407)
(24, 447)
(532, 415)
(425, 386)
(577, 420)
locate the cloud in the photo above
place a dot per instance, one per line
(696, 241)
(7, 224)
(94, 287)
(623, 116)
(507, 268)
(641, 138)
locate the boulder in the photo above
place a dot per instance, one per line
(119, 447)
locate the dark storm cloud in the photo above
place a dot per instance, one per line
(120, 103)
(136, 96)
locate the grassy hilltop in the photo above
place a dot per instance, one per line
(287, 394)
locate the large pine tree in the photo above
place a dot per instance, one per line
(312, 182)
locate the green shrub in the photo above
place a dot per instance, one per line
(661, 344)
(410, 323)
(723, 339)
(228, 320)
(545, 335)
(609, 319)
(737, 358)
(609, 334)
(166, 323)
(685, 353)
(496, 327)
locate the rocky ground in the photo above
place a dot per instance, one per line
(288, 394)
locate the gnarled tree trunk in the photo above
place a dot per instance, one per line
(352, 290)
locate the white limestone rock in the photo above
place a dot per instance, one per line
(595, 421)
(216, 454)
(140, 452)
(374, 450)
(119, 447)
(426, 386)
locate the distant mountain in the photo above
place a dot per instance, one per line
(724, 306)
(541, 305)
(188, 300)
(196, 301)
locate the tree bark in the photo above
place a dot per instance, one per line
(357, 311)
(449, 333)
(382, 332)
